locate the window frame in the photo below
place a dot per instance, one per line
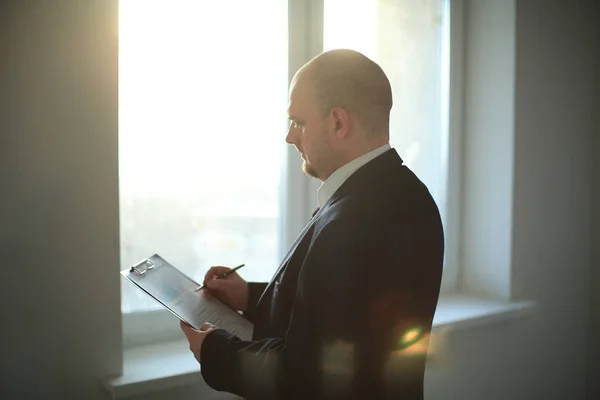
(299, 197)
(454, 86)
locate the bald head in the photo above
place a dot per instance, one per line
(339, 105)
(349, 80)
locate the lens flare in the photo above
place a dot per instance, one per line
(411, 337)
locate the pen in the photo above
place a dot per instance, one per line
(223, 276)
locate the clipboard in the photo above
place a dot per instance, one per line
(175, 291)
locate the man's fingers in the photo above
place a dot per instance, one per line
(215, 271)
(206, 326)
(187, 329)
(184, 327)
(215, 284)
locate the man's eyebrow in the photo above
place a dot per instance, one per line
(296, 119)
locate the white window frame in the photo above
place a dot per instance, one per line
(453, 122)
(299, 198)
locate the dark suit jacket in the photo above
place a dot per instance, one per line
(361, 281)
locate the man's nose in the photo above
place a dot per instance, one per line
(290, 135)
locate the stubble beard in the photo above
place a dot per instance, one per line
(307, 167)
(309, 170)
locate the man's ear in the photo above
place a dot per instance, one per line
(340, 122)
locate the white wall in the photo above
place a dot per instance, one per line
(543, 357)
(593, 372)
(556, 52)
(58, 208)
(58, 198)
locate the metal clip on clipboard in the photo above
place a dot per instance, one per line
(142, 267)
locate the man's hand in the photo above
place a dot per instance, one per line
(232, 290)
(196, 338)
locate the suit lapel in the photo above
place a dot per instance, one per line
(285, 260)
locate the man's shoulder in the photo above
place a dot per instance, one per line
(377, 195)
(357, 215)
(395, 201)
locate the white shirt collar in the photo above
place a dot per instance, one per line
(337, 179)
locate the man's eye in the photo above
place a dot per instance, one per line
(296, 124)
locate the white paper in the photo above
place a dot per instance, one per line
(175, 291)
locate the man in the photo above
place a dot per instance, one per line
(343, 314)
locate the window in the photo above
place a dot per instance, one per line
(205, 175)
(202, 111)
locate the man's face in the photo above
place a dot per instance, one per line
(307, 132)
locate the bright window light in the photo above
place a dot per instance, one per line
(202, 122)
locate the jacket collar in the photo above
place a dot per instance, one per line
(364, 176)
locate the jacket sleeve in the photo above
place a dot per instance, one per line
(341, 333)
(255, 290)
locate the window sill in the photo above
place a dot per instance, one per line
(166, 365)
(457, 312)
(154, 367)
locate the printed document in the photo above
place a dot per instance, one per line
(175, 291)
